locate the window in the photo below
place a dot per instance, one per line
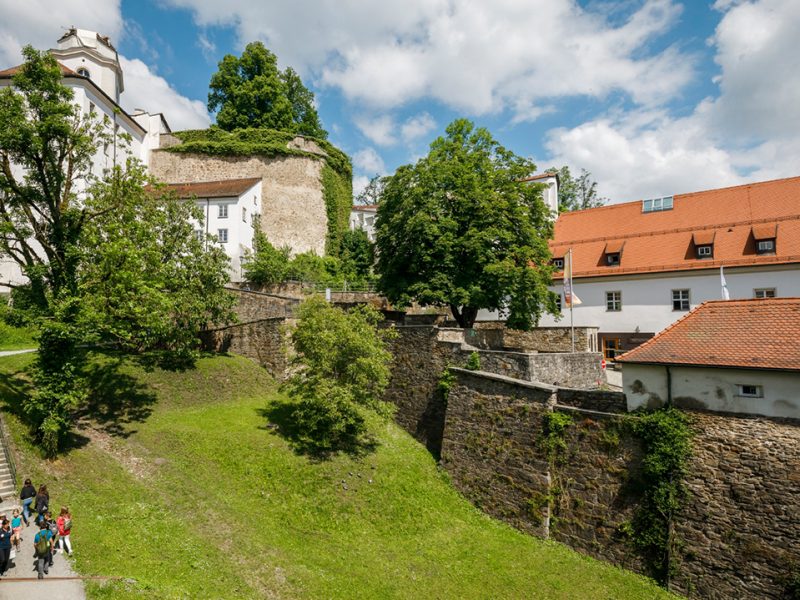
(222, 234)
(83, 72)
(92, 108)
(558, 263)
(558, 302)
(657, 204)
(764, 293)
(765, 247)
(750, 391)
(223, 211)
(198, 233)
(612, 347)
(680, 299)
(244, 215)
(612, 259)
(705, 251)
(613, 301)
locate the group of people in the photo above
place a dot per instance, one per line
(52, 535)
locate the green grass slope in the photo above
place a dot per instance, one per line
(15, 338)
(187, 492)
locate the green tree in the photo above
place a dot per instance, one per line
(266, 264)
(371, 194)
(113, 265)
(460, 229)
(250, 92)
(357, 255)
(342, 368)
(576, 193)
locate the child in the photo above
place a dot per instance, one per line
(52, 527)
(64, 523)
(16, 528)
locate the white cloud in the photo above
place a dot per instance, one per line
(417, 127)
(144, 89)
(207, 47)
(42, 22)
(360, 182)
(475, 57)
(379, 130)
(368, 161)
(750, 132)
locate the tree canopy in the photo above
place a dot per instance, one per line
(107, 260)
(460, 229)
(251, 92)
(576, 193)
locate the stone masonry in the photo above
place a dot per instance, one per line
(292, 201)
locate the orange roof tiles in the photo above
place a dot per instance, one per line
(213, 189)
(751, 334)
(704, 238)
(10, 72)
(766, 231)
(614, 247)
(662, 241)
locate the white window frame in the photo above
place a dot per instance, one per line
(558, 263)
(758, 390)
(614, 303)
(222, 236)
(244, 214)
(223, 211)
(615, 262)
(705, 251)
(84, 72)
(769, 250)
(761, 293)
(678, 296)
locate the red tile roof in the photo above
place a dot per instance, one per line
(540, 176)
(369, 207)
(9, 73)
(213, 189)
(665, 240)
(751, 334)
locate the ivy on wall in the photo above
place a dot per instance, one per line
(337, 172)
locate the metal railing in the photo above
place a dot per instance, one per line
(12, 467)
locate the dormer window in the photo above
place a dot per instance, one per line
(765, 236)
(704, 243)
(613, 253)
(705, 251)
(558, 263)
(83, 72)
(765, 247)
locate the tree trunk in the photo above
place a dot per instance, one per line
(465, 316)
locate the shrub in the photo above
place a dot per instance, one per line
(473, 362)
(267, 264)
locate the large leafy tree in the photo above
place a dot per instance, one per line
(250, 91)
(576, 193)
(460, 229)
(106, 260)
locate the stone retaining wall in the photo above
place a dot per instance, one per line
(264, 341)
(253, 306)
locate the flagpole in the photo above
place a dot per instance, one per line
(571, 323)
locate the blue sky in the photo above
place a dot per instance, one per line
(652, 96)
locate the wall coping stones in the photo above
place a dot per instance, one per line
(587, 411)
(534, 385)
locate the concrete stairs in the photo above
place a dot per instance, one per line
(8, 487)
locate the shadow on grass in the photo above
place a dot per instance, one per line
(115, 398)
(281, 416)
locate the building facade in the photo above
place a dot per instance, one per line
(736, 356)
(640, 266)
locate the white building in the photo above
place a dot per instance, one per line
(639, 266)
(363, 217)
(90, 68)
(231, 211)
(737, 356)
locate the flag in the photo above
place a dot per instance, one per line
(568, 277)
(725, 294)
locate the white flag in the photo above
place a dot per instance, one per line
(725, 294)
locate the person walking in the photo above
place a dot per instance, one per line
(52, 526)
(5, 545)
(16, 528)
(43, 549)
(42, 502)
(64, 523)
(27, 496)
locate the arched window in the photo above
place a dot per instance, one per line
(83, 72)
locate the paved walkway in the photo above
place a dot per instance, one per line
(22, 581)
(13, 352)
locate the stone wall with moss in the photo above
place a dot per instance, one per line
(306, 183)
(737, 536)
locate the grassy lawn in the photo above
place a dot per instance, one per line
(194, 495)
(15, 338)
